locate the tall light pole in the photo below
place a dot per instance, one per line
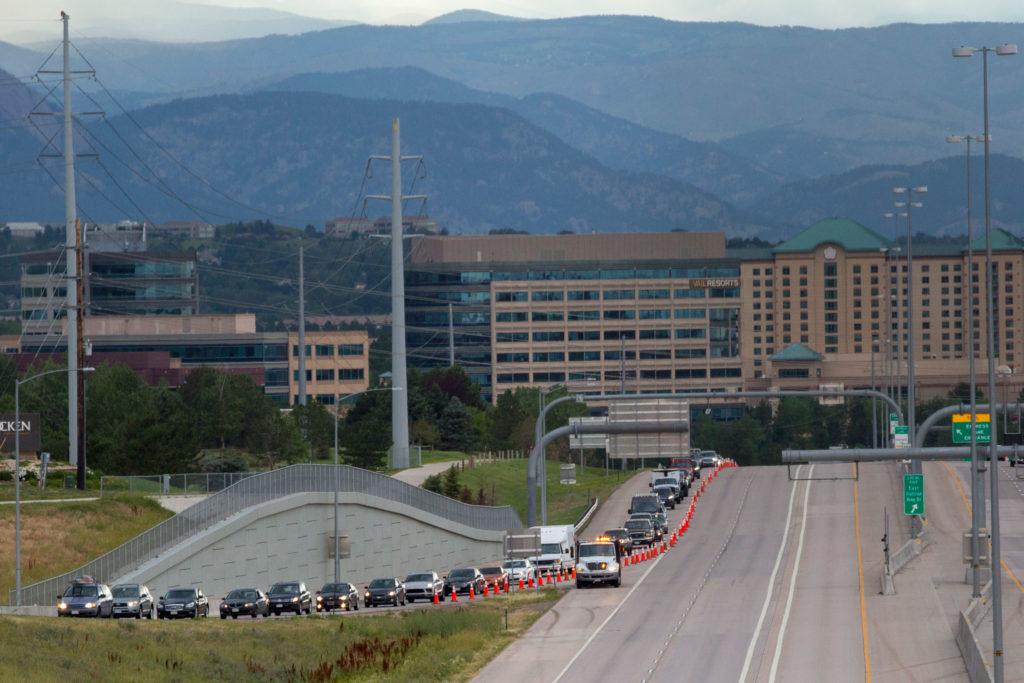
(17, 473)
(337, 471)
(977, 481)
(874, 403)
(910, 205)
(1004, 50)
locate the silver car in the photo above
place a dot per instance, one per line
(519, 569)
(423, 586)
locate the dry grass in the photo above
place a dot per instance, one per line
(57, 537)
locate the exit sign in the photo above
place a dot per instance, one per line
(913, 494)
(962, 428)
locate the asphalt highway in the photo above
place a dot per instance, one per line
(765, 586)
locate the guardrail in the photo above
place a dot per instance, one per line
(260, 488)
(582, 521)
(966, 639)
(191, 483)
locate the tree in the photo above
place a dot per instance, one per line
(455, 382)
(455, 427)
(366, 443)
(316, 424)
(424, 432)
(433, 483)
(450, 485)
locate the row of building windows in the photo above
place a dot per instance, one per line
(482, 277)
(329, 350)
(617, 375)
(328, 374)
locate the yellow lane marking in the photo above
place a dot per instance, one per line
(860, 579)
(967, 505)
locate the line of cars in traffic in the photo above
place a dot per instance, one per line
(86, 597)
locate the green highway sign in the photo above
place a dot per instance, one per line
(913, 494)
(901, 436)
(962, 428)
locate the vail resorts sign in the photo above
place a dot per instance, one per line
(29, 423)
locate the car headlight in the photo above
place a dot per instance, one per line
(319, 598)
(248, 604)
(604, 565)
(90, 605)
(62, 605)
(295, 599)
(367, 593)
(391, 594)
(190, 605)
(133, 603)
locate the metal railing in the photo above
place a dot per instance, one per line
(582, 522)
(261, 488)
(191, 483)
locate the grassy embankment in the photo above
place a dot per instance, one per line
(566, 502)
(450, 644)
(58, 537)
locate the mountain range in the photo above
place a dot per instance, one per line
(589, 123)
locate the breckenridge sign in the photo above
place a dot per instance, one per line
(30, 440)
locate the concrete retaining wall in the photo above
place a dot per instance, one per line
(289, 538)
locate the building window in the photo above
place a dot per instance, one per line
(350, 349)
(325, 374)
(547, 316)
(547, 296)
(324, 350)
(655, 294)
(295, 350)
(794, 373)
(584, 295)
(351, 373)
(619, 294)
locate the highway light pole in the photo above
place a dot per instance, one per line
(910, 205)
(337, 472)
(17, 473)
(1004, 50)
(977, 481)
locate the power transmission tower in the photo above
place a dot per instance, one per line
(399, 393)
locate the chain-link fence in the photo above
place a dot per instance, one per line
(193, 483)
(257, 489)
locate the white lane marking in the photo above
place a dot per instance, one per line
(613, 613)
(792, 582)
(707, 574)
(771, 585)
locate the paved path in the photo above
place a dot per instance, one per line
(49, 500)
(416, 475)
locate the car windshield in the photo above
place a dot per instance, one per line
(382, 583)
(461, 574)
(335, 588)
(181, 594)
(125, 591)
(419, 577)
(286, 588)
(550, 548)
(597, 550)
(490, 570)
(514, 564)
(638, 525)
(242, 595)
(665, 481)
(79, 590)
(614, 533)
(663, 490)
(646, 505)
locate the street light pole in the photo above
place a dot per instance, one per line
(977, 481)
(1004, 50)
(17, 474)
(874, 403)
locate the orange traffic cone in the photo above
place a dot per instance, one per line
(506, 584)
(558, 576)
(520, 583)
(485, 590)
(471, 592)
(436, 601)
(530, 584)
(625, 560)
(574, 572)
(455, 596)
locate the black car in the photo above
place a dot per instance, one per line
(460, 580)
(181, 603)
(290, 596)
(132, 600)
(622, 538)
(85, 598)
(389, 591)
(337, 596)
(245, 602)
(667, 496)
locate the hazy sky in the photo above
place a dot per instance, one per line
(21, 16)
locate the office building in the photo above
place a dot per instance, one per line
(680, 312)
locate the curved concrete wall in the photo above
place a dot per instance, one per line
(289, 538)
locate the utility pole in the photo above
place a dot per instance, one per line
(451, 338)
(71, 242)
(79, 353)
(302, 327)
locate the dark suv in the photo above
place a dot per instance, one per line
(85, 598)
(337, 596)
(460, 580)
(622, 538)
(389, 591)
(183, 602)
(290, 596)
(132, 600)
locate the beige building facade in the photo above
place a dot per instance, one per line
(337, 365)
